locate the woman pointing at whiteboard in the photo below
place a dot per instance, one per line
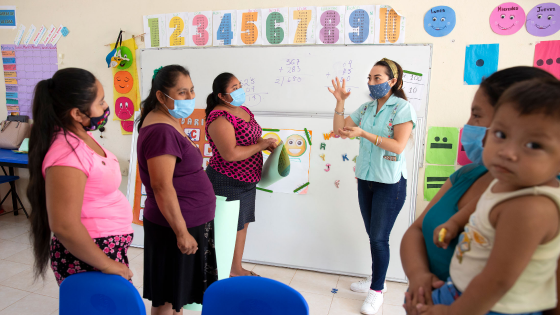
(384, 126)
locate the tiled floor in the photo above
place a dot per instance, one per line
(20, 295)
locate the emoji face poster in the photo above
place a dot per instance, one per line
(434, 177)
(543, 19)
(441, 146)
(547, 57)
(299, 152)
(507, 18)
(439, 21)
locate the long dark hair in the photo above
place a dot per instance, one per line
(498, 82)
(54, 99)
(163, 80)
(218, 86)
(397, 88)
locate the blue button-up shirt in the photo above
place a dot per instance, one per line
(373, 163)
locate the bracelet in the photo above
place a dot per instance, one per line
(376, 139)
(340, 114)
(381, 140)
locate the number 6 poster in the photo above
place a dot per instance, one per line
(225, 26)
(275, 26)
(249, 27)
(200, 29)
(330, 25)
(359, 24)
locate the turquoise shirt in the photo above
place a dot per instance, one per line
(371, 164)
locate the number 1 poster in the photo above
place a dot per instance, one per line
(275, 26)
(225, 27)
(155, 29)
(302, 22)
(200, 29)
(359, 24)
(330, 25)
(249, 27)
(177, 31)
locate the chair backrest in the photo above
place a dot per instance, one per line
(253, 295)
(93, 293)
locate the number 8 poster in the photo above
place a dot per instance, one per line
(359, 24)
(275, 26)
(330, 25)
(200, 29)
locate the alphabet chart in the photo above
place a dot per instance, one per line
(275, 26)
(177, 31)
(359, 24)
(302, 22)
(249, 27)
(200, 29)
(330, 25)
(155, 29)
(389, 26)
(225, 27)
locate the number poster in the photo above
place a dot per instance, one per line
(225, 27)
(275, 26)
(176, 28)
(330, 25)
(302, 22)
(200, 29)
(249, 27)
(359, 24)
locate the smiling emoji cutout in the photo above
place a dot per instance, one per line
(124, 108)
(507, 18)
(296, 145)
(543, 20)
(439, 21)
(126, 53)
(123, 82)
(271, 135)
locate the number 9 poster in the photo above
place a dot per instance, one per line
(359, 24)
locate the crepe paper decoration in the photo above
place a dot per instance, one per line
(359, 24)
(224, 24)
(543, 19)
(442, 145)
(480, 62)
(308, 135)
(337, 183)
(439, 21)
(302, 25)
(547, 57)
(389, 25)
(8, 17)
(462, 158)
(276, 167)
(328, 167)
(200, 28)
(330, 25)
(507, 18)
(275, 26)
(434, 178)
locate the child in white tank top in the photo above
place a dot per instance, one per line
(506, 259)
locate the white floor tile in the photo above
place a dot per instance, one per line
(395, 293)
(9, 248)
(283, 275)
(33, 304)
(134, 252)
(8, 269)
(314, 282)
(342, 306)
(15, 219)
(319, 304)
(9, 296)
(344, 291)
(24, 281)
(248, 266)
(10, 231)
(389, 309)
(23, 257)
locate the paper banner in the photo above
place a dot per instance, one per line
(39, 35)
(441, 145)
(224, 24)
(275, 26)
(389, 25)
(480, 62)
(302, 21)
(155, 29)
(177, 31)
(547, 57)
(543, 19)
(277, 166)
(125, 83)
(8, 17)
(330, 25)
(19, 35)
(200, 29)
(359, 24)
(439, 21)
(29, 35)
(50, 32)
(462, 158)
(507, 18)
(249, 27)
(434, 178)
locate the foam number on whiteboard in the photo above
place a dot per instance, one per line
(304, 17)
(178, 24)
(249, 30)
(329, 34)
(201, 36)
(359, 19)
(274, 35)
(225, 30)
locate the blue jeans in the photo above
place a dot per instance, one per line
(448, 293)
(380, 205)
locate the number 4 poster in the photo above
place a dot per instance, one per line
(330, 25)
(359, 24)
(225, 27)
(302, 25)
(275, 26)
(177, 32)
(200, 29)
(249, 27)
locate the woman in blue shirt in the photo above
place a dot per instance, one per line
(384, 126)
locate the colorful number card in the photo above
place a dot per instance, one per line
(225, 26)
(177, 32)
(200, 24)
(249, 27)
(155, 29)
(275, 26)
(330, 25)
(389, 26)
(359, 24)
(302, 25)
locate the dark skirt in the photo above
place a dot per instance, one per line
(171, 276)
(234, 189)
(64, 264)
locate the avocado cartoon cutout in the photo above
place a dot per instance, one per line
(439, 21)
(276, 167)
(543, 19)
(441, 147)
(507, 18)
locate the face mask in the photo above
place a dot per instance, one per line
(98, 122)
(472, 142)
(183, 108)
(379, 90)
(238, 97)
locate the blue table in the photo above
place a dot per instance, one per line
(10, 159)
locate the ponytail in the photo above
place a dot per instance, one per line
(52, 102)
(397, 89)
(219, 85)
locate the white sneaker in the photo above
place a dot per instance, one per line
(372, 303)
(363, 286)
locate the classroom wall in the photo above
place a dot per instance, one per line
(93, 24)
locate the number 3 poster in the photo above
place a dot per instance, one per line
(200, 29)
(275, 26)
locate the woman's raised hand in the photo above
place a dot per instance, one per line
(339, 90)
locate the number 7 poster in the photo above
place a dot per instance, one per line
(200, 29)
(302, 21)
(249, 27)
(275, 26)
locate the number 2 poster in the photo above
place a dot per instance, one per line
(225, 27)
(249, 27)
(275, 26)
(302, 21)
(177, 31)
(359, 24)
(330, 25)
(200, 29)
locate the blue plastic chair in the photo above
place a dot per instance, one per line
(95, 293)
(253, 296)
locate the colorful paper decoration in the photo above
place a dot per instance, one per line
(543, 19)
(507, 18)
(547, 57)
(439, 21)
(275, 26)
(462, 158)
(442, 145)
(480, 62)
(200, 29)
(126, 93)
(434, 178)
(330, 25)
(302, 21)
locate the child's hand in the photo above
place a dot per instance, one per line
(442, 238)
(433, 309)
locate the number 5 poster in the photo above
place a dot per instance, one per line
(249, 27)
(359, 24)
(330, 25)
(200, 29)
(225, 27)
(177, 31)
(275, 26)
(302, 22)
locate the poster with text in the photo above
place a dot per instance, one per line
(302, 21)
(275, 26)
(330, 25)
(389, 25)
(155, 29)
(200, 29)
(177, 31)
(225, 27)
(359, 24)
(249, 27)
(8, 17)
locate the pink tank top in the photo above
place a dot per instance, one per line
(246, 133)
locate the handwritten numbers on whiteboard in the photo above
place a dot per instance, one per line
(201, 36)
(304, 17)
(359, 19)
(225, 31)
(274, 35)
(249, 30)
(329, 33)
(179, 25)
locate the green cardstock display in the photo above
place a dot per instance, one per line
(434, 178)
(441, 146)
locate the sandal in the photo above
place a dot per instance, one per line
(252, 274)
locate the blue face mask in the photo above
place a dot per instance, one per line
(472, 142)
(183, 108)
(238, 97)
(379, 90)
